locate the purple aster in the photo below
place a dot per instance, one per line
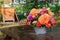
(29, 17)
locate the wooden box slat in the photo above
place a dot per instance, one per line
(7, 14)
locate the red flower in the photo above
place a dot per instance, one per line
(54, 22)
(48, 25)
(38, 24)
(26, 22)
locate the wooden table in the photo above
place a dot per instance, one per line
(16, 32)
(26, 32)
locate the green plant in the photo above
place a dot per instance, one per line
(57, 8)
(24, 7)
(52, 7)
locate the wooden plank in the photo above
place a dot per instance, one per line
(9, 25)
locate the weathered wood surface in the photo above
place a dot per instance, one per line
(17, 32)
(26, 32)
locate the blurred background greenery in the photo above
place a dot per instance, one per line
(26, 5)
(29, 4)
(36, 4)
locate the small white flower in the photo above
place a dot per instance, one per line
(34, 22)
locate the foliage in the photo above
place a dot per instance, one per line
(52, 7)
(21, 16)
(36, 4)
(57, 8)
(19, 8)
(26, 7)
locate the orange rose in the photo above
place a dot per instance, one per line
(33, 12)
(44, 19)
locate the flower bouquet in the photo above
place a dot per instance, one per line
(40, 19)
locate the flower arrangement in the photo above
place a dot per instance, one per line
(40, 17)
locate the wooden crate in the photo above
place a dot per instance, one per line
(7, 14)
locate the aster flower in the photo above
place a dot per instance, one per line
(29, 17)
(53, 22)
(48, 25)
(38, 24)
(51, 18)
(38, 11)
(44, 9)
(42, 13)
(26, 22)
(34, 22)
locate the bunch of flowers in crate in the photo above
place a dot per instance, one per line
(40, 17)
